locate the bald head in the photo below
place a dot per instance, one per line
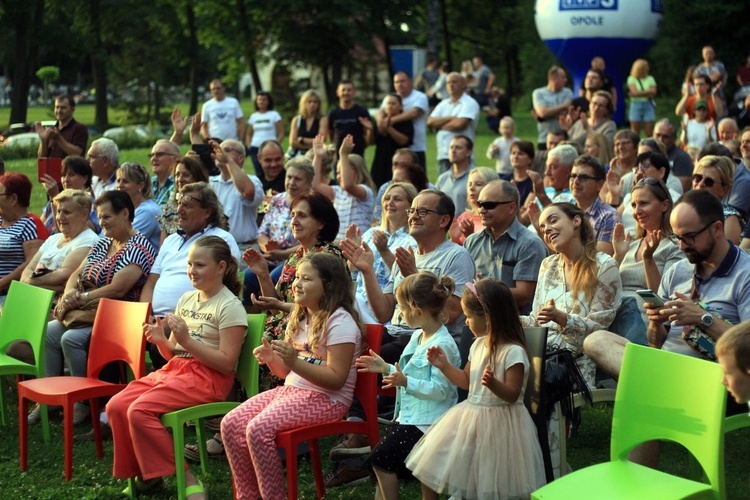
(456, 85)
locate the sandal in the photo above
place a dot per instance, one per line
(195, 489)
(214, 448)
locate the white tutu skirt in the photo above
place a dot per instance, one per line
(478, 451)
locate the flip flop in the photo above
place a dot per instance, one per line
(192, 453)
(196, 488)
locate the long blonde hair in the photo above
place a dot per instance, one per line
(585, 274)
(338, 294)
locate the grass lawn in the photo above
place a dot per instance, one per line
(92, 478)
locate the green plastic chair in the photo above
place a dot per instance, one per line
(660, 396)
(25, 317)
(247, 374)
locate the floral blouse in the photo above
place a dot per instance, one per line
(277, 223)
(584, 317)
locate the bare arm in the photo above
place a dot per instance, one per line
(241, 181)
(547, 112)
(407, 116)
(319, 184)
(280, 132)
(438, 121)
(241, 126)
(362, 258)
(679, 109)
(56, 279)
(333, 374)
(347, 175)
(457, 124)
(122, 282)
(249, 135)
(523, 292)
(147, 292)
(508, 390)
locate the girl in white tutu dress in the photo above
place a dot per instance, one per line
(485, 447)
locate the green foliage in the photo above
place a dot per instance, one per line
(48, 73)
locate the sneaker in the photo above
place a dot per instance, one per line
(89, 436)
(341, 475)
(350, 445)
(35, 416)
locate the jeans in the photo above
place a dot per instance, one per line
(66, 344)
(629, 323)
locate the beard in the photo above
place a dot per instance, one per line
(695, 256)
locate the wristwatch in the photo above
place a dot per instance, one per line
(707, 320)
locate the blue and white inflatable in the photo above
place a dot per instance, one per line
(620, 31)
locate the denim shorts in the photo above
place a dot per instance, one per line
(629, 323)
(642, 111)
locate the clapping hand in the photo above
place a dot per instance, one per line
(437, 358)
(406, 261)
(255, 261)
(360, 256)
(488, 376)
(651, 242)
(621, 241)
(178, 328)
(264, 352)
(549, 313)
(372, 363)
(354, 233)
(154, 332)
(380, 240)
(395, 379)
(284, 350)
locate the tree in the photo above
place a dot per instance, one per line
(47, 74)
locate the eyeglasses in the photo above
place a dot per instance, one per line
(160, 154)
(421, 212)
(490, 205)
(707, 181)
(227, 149)
(93, 157)
(689, 238)
(186, 198)
(583, 177)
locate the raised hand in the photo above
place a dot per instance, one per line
(372, 363)
(651, 242)
(347, 145)
(42, 132)
(195, 125)
(218, 153)
(319, 145)
(255, 261)
(437, 358)
(360, 256)
(354, 233)
(154, 332)
(50, 185)
(467, 227)
(620, 240)
(538, 183)
(395, 379)
(264, 352)
(179, 123)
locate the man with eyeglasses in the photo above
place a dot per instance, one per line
(454, 182)
(679, 161)
(104, 158)
(704, 294)
(240, 193)
(505, 249)
(586, 180)
(221, 115)
(163, 156)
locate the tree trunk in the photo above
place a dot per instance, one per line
(157, 104)
(446, 34)
(194, 51)
(253, 65)
(98, 68)
(248, 42)
(433, 33)
(25, 20)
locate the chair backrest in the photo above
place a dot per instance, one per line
(668, 396)
(247, 365)
(366, 389)
(533, 396)
(118, 336)
(25, 317)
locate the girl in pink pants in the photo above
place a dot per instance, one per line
(317, 361)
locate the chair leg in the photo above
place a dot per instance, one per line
(68, 431)
(132, 492)
(290, 452)
(200, 432)
(178, 436)
(23, 432)
(317, 467)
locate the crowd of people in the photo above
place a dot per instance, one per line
(567, 234)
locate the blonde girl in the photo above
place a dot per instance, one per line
(316, 359)
(423, 394)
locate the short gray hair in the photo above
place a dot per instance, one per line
(566, 153)
(175, 149)
(108, 148)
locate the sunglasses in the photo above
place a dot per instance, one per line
(490, 205)
(707, 181)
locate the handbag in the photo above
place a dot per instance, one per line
(562, 380)
(83, 316)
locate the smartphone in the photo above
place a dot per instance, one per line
(51, 167)
(649, 296)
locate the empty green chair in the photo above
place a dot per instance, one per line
(25, 317)
(660, 396)
(247, 374)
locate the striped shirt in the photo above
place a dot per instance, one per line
(27, 228)
(101, 269)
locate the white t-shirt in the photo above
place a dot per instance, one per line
(465, 107)
(222, 117)
(697, 134)
(241, 212)
(341, 329)
(53, 256)
(419, 100)
(264, 126)
(502, 156)
(171, 266)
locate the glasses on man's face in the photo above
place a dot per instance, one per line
(227, 149)
(93, 157)
(421, 212)
(582, 177)
(490, 205)
(689, 238)
(186, 199)
(159, 154)
(707, 181)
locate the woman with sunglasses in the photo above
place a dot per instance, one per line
(133, 179)
(644, 260)
(715, 174)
